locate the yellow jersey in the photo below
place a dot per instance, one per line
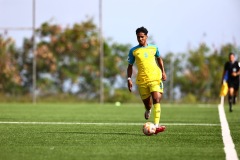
(145, 57)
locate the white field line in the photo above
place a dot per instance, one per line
(122, 124)
(229, 147)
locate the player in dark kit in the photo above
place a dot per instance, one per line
(231, 68)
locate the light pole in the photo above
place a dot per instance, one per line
(34, 53)
(171, 79)
(33, 49)
(101, 92)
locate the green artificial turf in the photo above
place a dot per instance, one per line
(108, 132)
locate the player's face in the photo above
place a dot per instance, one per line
(142, 39)
(231, 58)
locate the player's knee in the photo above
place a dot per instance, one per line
(156, 100)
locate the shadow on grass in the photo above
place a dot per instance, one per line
(100, 133)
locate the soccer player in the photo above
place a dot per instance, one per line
(231, 69)
(150, 75)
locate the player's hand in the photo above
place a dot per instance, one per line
(234, 74)
(164, 76)
(130, 85)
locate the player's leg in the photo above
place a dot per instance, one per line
(156, 96)
(157, 107)
(234, 97)
(156, 93)
(148, 106)
(146, 99)
(230, 97)
(235, 92)
(156, 89)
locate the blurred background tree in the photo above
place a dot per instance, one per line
(10, 81)
(68, 64)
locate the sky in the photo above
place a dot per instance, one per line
(173, 25)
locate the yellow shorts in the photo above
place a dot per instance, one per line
(146, 89)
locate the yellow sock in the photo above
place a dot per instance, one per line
(157, 113)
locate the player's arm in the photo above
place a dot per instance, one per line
(131, 60)
(129, 75)
(238, 72)
(225, 73)
(161, 66)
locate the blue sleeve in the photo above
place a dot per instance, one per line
(157, 52)
(225, 77)
(131, 58)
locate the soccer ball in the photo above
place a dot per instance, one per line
(149, 129)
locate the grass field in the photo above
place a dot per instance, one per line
(107, 132)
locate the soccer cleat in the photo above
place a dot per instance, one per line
(147, 114)
(160, 129)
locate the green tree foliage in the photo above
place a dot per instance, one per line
(199, 76)
(116, 62)
(10, 80)
(197, 72)
(65, 54)
(71, 55)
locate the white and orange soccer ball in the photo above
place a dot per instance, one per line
(149, 129)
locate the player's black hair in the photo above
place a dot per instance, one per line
(231, 53)
(142, 29)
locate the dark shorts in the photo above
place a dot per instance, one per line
(233, 84)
